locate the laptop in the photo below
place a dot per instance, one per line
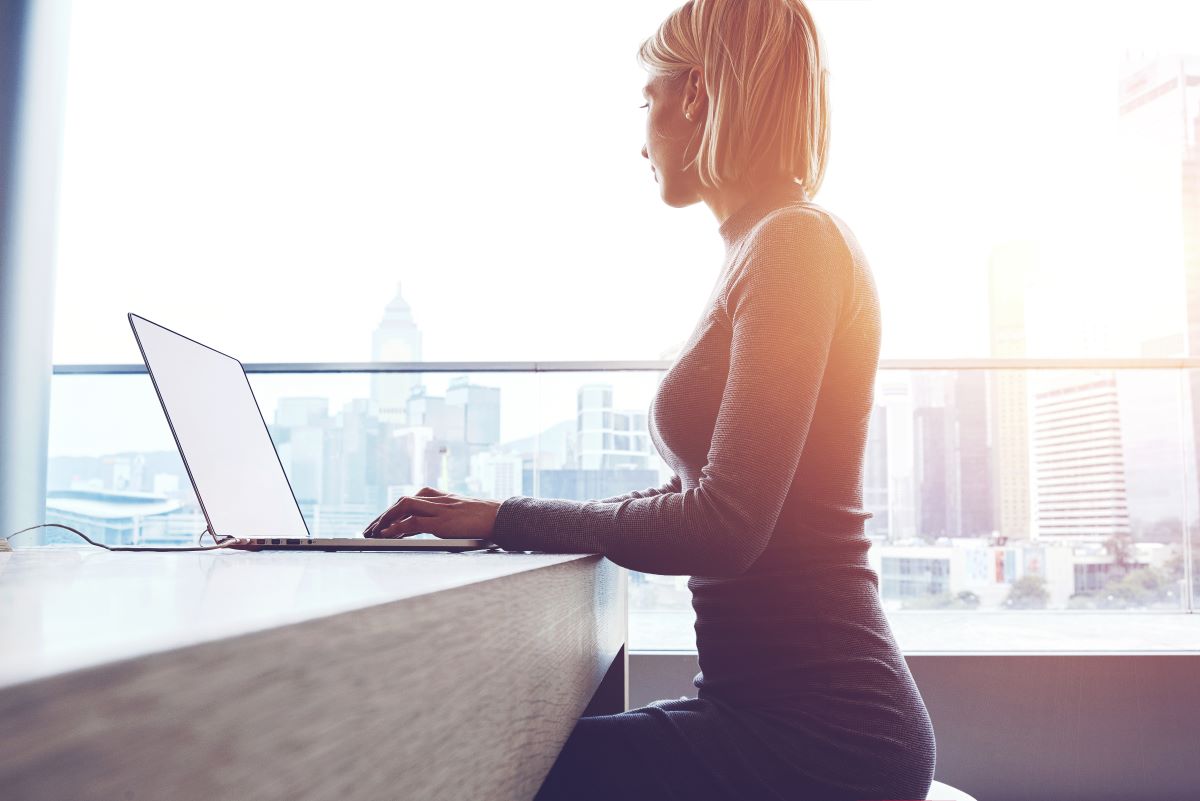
(230, 458)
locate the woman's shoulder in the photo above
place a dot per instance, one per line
(797, 227)
(795, 253)
(797, 240)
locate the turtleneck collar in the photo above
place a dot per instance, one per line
(759, 205)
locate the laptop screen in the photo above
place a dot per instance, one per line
(221, 435)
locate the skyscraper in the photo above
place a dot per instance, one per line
(1008, 268)
(1159, 106)
(934, 462)
(952, 455)
(875, 473)
(1159, 132)
(300, 432)
(608, 438)
(1158, 450)
(895, 395)
(479, 407)
(976, 491)
(397, 339)
(1080, 460)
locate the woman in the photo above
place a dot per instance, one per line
(763, 417)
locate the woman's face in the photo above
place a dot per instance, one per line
(671, 138)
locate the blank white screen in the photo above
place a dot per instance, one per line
(222, 436)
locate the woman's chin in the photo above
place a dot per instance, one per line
(675, 198)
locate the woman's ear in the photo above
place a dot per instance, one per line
(695, 97)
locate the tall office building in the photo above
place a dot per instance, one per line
(934, 457)
(397, 339)
(875, 473)
(300, 432)
(976, 488)
(497, 475)
(951, 454)
(479, 407)
(463, 423)
(360, 465)
(1159, 106)
(896, 396)
(1080, 459)
(1008, 270)
(608, 438)
(1156, 170)
(1158, 450)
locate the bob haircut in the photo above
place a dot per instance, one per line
(764, 72)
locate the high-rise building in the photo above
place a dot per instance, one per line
(479, 408)
(1159, 106)
(1158, 448)
(896, 396)
(1080, 459)
(432, 411)
(951, 454)
(608, 438)
(875, 473)
(300, 432)
(934, 457)
(463, 423)
(975, 481)
(360, 465)
(1008, 270)
(497, 475)
(397, 339)
(1159, 132)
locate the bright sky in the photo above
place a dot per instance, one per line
(261, 174)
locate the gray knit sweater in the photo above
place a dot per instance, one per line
(763, 416)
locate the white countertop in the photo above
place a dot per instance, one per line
(63, 608)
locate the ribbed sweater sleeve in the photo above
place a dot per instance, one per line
(782, 300)
(671, 486)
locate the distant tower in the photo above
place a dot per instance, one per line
(397, 339)
(479, 410)
(896, 397)
(1159, 106)
(976, 488)
(609, 438)
(1008, 269)
(935, 481)
(1080, 459)
(875, 473)
(1159, 103)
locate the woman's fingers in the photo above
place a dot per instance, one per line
(406, 527)
(405, 507)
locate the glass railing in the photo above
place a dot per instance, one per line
(996, 487)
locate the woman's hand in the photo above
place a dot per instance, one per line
(438, 513)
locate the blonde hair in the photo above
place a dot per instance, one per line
(764, 73)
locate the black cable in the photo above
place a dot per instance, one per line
(223, 542)
(216, 540)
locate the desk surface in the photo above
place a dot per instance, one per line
(297, 675)
(66, 608)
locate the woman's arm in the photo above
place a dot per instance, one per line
(784, 305)
(671, 486)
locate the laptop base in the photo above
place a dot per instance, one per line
(356, 544)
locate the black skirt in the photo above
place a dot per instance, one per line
(804, 695)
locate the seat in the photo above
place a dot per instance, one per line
(939, 791)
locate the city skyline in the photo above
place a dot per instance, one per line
(969, 474)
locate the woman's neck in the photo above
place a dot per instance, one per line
(726, 200)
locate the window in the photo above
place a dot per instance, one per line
(324, 182)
